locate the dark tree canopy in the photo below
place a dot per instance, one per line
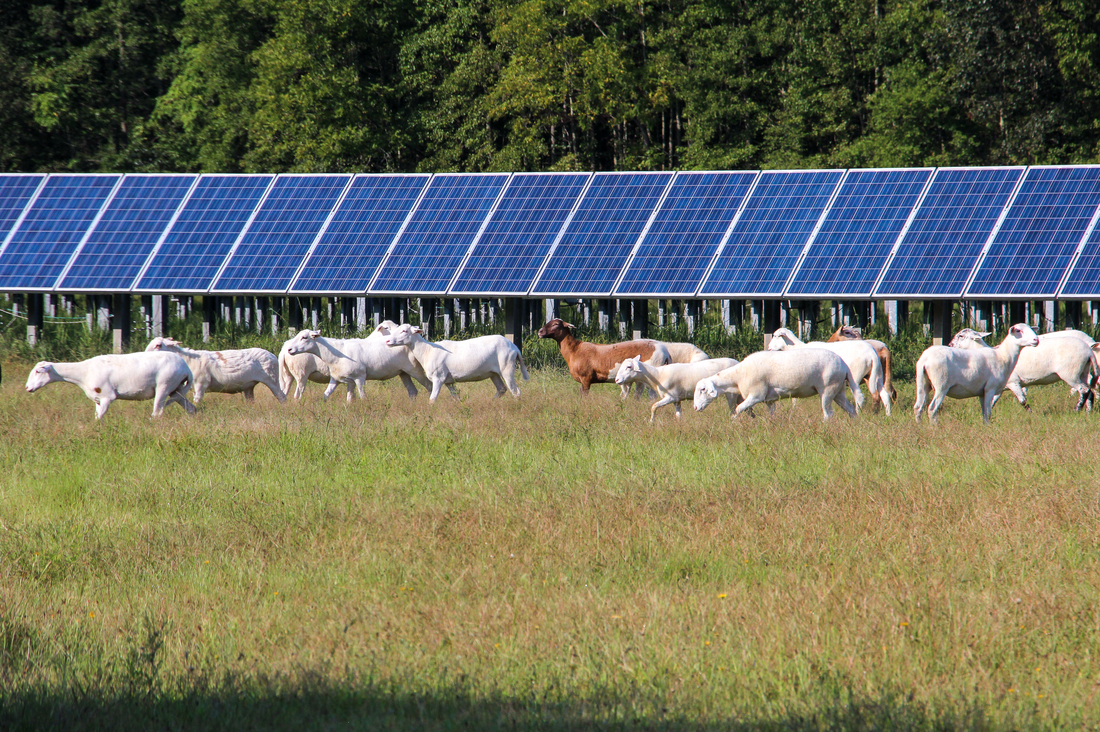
(438, 85)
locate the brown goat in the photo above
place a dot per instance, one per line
(847, 333)
(592, 363)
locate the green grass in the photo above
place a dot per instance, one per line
(551, 562)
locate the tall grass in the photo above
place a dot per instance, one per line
(551, 562)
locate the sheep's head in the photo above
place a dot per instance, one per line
(40, 375)
(781, 340)
(969, 338)
(629, 370)
(705, 393)
(162, 344)
(304, 342)
(1023, 335)
(556, 329)
(385, 327)
(402, 335)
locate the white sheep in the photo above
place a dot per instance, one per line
(684, 352)
(299, 368)
(226, 372)
(162, 377)
(378, 360)
(341, 369)
(962, 373)
(674, 382)
(767, 376)
(1062, 358)
(862, 359)
(490, 357)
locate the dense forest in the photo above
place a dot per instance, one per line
(434, 85)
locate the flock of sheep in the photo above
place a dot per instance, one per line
(674, 372)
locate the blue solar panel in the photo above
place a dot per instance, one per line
(1045, 223)
(847, 254)
(771, 233)
(131, 225)
(507, 257)
(693, 220)
(359, 235)
(1084, 278)
(444, 224)
(956, 217)
(598, 240)
(39, 249)
(16, 190)
(281, 234)
(204, 233)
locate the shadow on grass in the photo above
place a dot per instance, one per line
(316, 707)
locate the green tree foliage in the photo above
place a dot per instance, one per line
(471, 85)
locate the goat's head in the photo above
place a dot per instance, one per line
(557, 329)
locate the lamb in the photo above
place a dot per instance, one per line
(162, 377)
(847, 333)
(768, 376)
(379, 361)
(490, 357)
(961, 373)
(674, 382)
(861, 358)
(1062, 358)
(298, 369)
(226, 372)
(341, 369)
(591, 363)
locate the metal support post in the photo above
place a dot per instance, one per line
(35, 308)
(294, 314)
(121, 323)
(209, 316)
(604, 314)
(513, 320)
(640, 313)
(941, 322)
(692, 313)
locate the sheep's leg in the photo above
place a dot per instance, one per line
(331, 388)
(886, 400)
(199, 389)
(1020, 392)
(103, 403)
(250, 394)
(935, 404)
(499, 384)
(987, 406)
(731, 401)
(410, 388)
(624, 391)
(277, 391)
(750, 401)
(842, 399)
(679, 411)
(826, 406)
(179, 396)
(300, 387)
(437, 386)
(653, 407)
(509, 375)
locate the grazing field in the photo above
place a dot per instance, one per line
(547, 563)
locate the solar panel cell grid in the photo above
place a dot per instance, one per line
(444, 224)
(1040, 234)
(281, 234)
(39, 249)
(15, 193)
(858, 233)
(202, 236)
(515, 242)
(955, 219)
(694, 218)
(613, 213)
(772, 231)
(351, 248)
(130, 227)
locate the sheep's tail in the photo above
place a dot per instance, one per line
(523, 367)
(888, 373)
(875, 380)
(285, 376)
(1095, 365)
(853, 384)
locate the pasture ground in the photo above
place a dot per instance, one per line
(548, 563)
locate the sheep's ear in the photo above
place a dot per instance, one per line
(986, 335)
(314, 334)
(639, 357)
(415, 329)
(568, 325)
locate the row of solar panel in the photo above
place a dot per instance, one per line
(1013, 232)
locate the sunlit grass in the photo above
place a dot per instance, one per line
(547, 562)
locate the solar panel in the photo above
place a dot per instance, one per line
(16, 190)
(349, 251)
(427, 253)
(693, 220)
(1041, 232)
(523, 227)
(38, 250)
(114, 252)
(203, 234)
(281, 233)
(599, 238)
(847, 254)
(940, 248)
(1084, 277)
(771, 232)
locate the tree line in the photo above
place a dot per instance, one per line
(443, 85)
